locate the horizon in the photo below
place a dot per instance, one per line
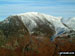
(58, 8)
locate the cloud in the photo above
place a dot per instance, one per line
(21, 8)
(63, 8)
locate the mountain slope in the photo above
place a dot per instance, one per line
(70, 23)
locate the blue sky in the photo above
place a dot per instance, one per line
(64, 8)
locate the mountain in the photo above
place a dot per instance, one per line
(33, 22)
(29, 34)
(23, 26)
(27, 31)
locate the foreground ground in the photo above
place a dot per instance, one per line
(39, 47)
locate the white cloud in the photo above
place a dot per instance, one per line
(21, 8)
(53, 7)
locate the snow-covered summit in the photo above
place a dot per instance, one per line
(30, 17)
(56, 21)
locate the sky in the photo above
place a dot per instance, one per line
(58, 8)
